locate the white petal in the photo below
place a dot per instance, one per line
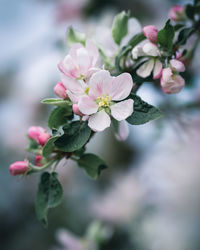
(121, 87)
(99, 121)
(146, 68)
(157, 71)
(74, 97)
(123, 131)
(122, 110)
(72, 84)
(177, 65)
(93, 51)
(83, 60)
(137, 51)
(87, 105)
(151, 49)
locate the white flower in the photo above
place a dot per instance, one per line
(103, 98)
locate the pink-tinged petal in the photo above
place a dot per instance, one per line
(177, 13)
(177, 65)
(71, 84)
(60, 90)
(99, 121)
(76, 110)
(145, 69)
(68, 67)
(35, 131)
(166, 74)
(92, 50)
(150, 31)
(19, 167)
(121, 87)
(83, 60)
(122, 110)
(137, 51)
(85, 117)
(99, 82)
(43, 138)
(123, 131)
(157, 71)
(173, 86)
(151, 49)
(74, 97)
(87, 105)
(73, 50)
(91, 71)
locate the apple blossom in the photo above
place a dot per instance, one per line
(60, 90)
(153, 64)
(80, 62)
(38, 160)
(38, 134)
(19, 167)
(104, 91)
(177, 13)
(150, 31)
(76, 110)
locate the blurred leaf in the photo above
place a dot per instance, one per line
(136, 39)
(142, 111)
(166, 35)
(58, 116)
(33, 146)
(75, 136)
(74, 36)
(92, 164)
(120, 26)
(190, 11)
(49, 146)
(56, 102)
(184, 35)
(49, 195)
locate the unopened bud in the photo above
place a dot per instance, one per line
(60, 90)
(18, 167)
(76, 110)
(150, 31)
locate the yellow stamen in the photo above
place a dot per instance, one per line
(104, 101)
(87, 90)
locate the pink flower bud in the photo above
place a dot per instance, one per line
(177, 13)
(76, 110)
(43, 138)
(38, 160)
(34, 132)
(150, 31)
(60, 90)
(18, 167)
(38, 134)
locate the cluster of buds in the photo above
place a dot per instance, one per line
(40, 136)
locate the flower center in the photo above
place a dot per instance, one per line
(104, 101)
(87, 90)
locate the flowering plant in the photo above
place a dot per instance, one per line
(98, 91)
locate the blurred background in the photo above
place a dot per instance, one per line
(148, 199)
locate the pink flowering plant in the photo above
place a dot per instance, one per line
(96, 92)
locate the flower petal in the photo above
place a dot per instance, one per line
(92, 50)
(151, 49)
(166, 74)
(177, 65)
(123, 131)
(83, 60)
(120, 87)
(72, 84)
(157, 71)
(137, 51)
(68, 67)
(145, 69)
(87, 105)
(99, 121)
(122, 110)
(99, 83)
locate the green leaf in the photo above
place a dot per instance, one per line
(49, 146)
(74, 36)
(136, 39)
(92, 164)
(56, 102)
(143, 112)
(166, 35)
(49, 195)
(58, 117)
(190, 11)
(120, 26)
(184, 35)
(75, 136)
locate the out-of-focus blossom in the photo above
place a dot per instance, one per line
(18, 167)
(103, 91)
(177, 13)
(153, 64)
(79, 63)
(171, 81)
(123, 131)
(60, 90)
(39, 134)
(150, 31)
